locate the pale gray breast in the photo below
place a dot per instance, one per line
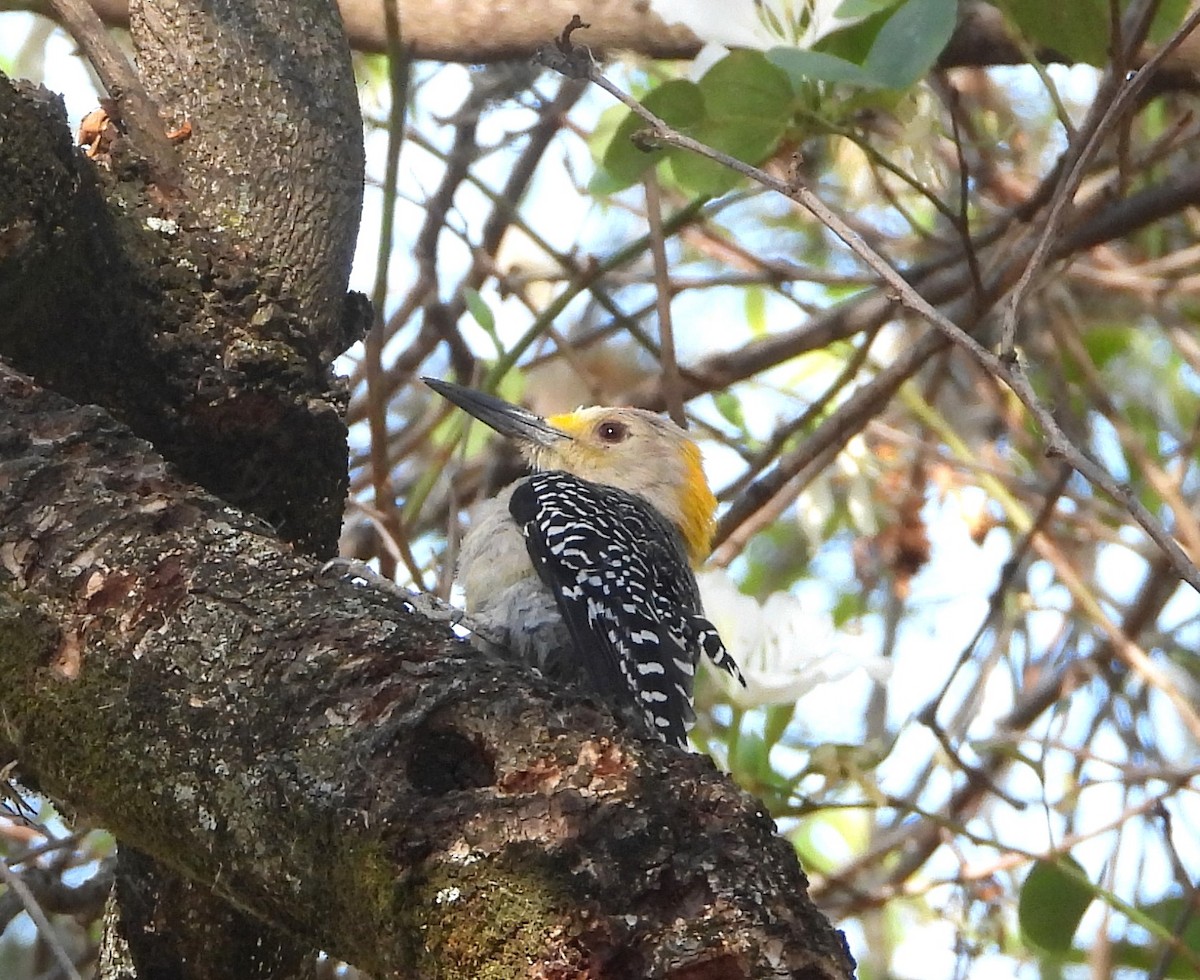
(504, 593)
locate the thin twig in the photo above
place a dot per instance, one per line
(672, 388)
(1111, 103)
(833, 433)
(784, 433)
(1057, 444)
(40, 919)
(138, 110)
(1008, 574)
(381, 481)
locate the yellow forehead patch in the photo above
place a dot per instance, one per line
(572, 423)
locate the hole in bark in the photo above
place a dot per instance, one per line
(444, 761)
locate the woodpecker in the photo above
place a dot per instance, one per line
(584, 568)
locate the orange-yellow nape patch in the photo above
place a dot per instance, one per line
(699, 506)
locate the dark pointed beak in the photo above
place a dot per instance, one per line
(509, 420)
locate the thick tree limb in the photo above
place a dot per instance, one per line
(475, 31)
(109, 296)
(203, 307)
(337, 765)
(275, 156)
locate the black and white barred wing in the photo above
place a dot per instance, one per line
(621, 579)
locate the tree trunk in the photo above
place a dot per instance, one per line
(203, 308)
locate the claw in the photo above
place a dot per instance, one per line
(423, 603)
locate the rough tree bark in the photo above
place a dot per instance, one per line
(169, 667)
(170, 305)
(203, 308)
(276, 154)
(341, 767)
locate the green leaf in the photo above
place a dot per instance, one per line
(748, 105)
(909, 43)
(755, 302)
(1078, 29)
(817, 66)
(1053, 899)
(480, 311)
(750, 755)
(512, 386)
(1168, 19)
(603, 184)
(1103, 342)
(848, 829)
(699, 175)
(778, 717)
(604, 130)
(776, 558)
(745, 82)
(862, 8)
(99, 844)
(1168, 913)
(678, 103)
(849, 606)
(742, 107)
(730, 407)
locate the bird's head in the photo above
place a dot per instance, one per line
(628, 448)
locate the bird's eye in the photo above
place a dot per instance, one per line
(612, 432)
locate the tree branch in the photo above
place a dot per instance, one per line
(138, 110)
(275, 159)
(323, 757)
(474, 31)
(108, 299)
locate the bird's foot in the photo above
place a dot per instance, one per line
(424, 604)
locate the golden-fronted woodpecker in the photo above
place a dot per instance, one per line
(584, 569)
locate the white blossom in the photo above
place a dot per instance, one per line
(757, 24)
(783, 650)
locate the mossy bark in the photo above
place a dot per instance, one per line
(320, 755)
